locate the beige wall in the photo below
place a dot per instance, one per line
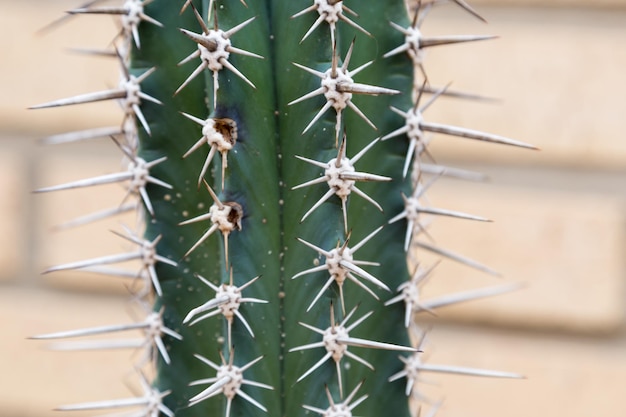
(560, 219)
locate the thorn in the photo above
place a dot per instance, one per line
(473, 134)
(469, 9)
(456, 257)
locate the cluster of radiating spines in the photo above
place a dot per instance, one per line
(214, 48)
(136, 177)
(224, 216)
(228, 381)
(342, 266)
(336, 340)
(341, 177)
(337, 86)
(149, 332)
(227, 300)
(220, 134)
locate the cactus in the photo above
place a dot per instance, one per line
(278, 154)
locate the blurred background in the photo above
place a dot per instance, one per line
(558, 69)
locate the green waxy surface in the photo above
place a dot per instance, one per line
(262, 169)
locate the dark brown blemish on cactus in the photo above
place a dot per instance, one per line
(227, 128)
(231, 119)
(235, 214)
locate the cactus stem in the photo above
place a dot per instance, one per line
(271, 211)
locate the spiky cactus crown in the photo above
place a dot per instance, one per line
(267, 143)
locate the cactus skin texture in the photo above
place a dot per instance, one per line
(248, 210)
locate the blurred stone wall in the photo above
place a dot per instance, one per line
(560, 218)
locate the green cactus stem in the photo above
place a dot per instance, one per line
(278, 215)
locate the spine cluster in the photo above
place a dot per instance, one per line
(324, 294)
